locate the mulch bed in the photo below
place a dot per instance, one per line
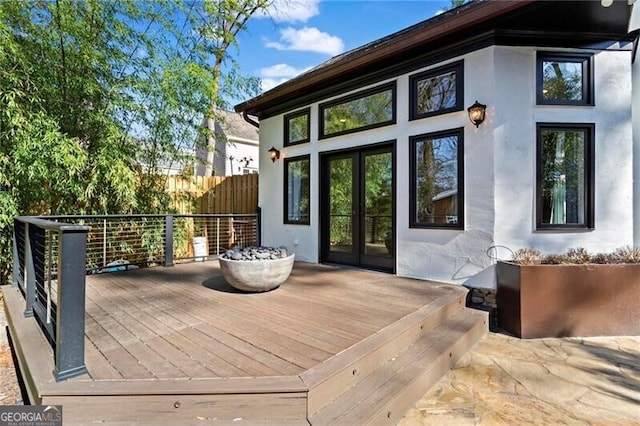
(9, 388)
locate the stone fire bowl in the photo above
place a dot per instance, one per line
(256, 275)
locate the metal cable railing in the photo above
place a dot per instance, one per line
(121, 242)
(48, 261)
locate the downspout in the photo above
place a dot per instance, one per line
(249, 120)
(259, 210)
(634, 25)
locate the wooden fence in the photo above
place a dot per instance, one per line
(214, 194)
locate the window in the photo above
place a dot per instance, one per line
(297, 127)
(565, 170)
(564, 79)
(436, 180)
(437, 91)
(361, 111)
(297, 190)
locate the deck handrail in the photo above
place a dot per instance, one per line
(62, 320)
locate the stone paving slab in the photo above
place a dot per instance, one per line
(509, 381)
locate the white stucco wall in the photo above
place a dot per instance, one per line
(515, 162)
(499, 169)
(454, 255)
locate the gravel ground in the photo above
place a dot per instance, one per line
(9, 389)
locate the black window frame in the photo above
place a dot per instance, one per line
(589, 130)
(361, 94)
(458, 67)
(413, 198)
(588, 85)
(287, 119)
(286, 162)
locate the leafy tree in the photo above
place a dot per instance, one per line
(96, 96)
(456, 3)
(217, 23)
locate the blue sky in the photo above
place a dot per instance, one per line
(300, 34)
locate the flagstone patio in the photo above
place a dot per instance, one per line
(509, 381)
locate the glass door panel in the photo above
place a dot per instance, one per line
(341, 206)
(378, 204)
(357, 211)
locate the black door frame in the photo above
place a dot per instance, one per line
(358, 257)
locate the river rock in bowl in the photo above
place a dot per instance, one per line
(256, 269)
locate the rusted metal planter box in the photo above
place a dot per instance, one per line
(569, 300)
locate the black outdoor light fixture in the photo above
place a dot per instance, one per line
(274, 154)
(476, 113)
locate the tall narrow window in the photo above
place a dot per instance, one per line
(361, 111)
(436, 180)
(297, 127)
(564, 79)
(565, 187)
(297, 190)
(437, 91)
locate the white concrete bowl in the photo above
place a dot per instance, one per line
(256, 275)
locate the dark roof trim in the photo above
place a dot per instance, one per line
(439, 56)
(385, 48)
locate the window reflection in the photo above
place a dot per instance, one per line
(359, 112)
(562, 179)
(436, 180)
(437, 91)
(562, 80)
(297, 190)
(297, 127)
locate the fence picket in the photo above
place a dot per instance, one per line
(214, 194)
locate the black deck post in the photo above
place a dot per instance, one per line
(168, 240)
(259, 226)
(16, 259)
(69, 349)
(29, 272)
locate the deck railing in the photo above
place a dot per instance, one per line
(52, 255)
(54, 299)
(119, 242)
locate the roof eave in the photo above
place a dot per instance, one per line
(480, 12)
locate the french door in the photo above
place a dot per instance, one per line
(358, 208)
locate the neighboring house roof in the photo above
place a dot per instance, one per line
(472, 26)
(233, 126)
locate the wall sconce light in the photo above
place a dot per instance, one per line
(274, 154)
(476, 113)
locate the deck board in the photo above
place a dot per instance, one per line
(185, 321)
(159, 338)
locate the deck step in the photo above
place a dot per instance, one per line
(384, 396)
(330, 379)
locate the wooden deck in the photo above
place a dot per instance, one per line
(179, 344)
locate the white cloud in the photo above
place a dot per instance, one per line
(278, 74)
(291, 10)
(307, 39)
(281, 70)
(267, 84)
